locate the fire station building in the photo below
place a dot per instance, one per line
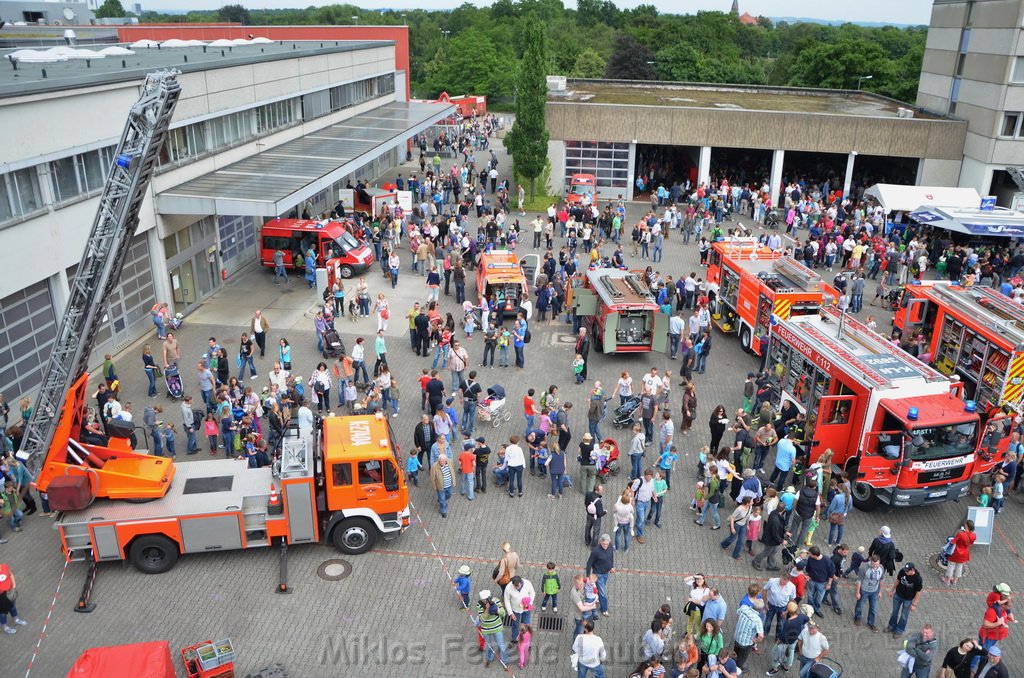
(265, 124)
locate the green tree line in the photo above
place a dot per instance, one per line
(479, 49)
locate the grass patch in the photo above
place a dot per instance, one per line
(539, 203)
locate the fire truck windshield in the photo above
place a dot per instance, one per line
(941, 442)
(346, 242)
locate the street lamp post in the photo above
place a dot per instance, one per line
(445, 33)
(355, 20)
(862, 79)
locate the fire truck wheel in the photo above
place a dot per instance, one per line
(354, 536)
(346, 272)
(745, 339)
(864, 497)
(153, 554)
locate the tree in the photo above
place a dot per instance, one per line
(589, 64)
(630, 60)
(236, 14)
(528, 138)
(838, 65)
(111, 9)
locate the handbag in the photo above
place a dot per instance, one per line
(157, 372)
(574, 661)
(836, 518)
(287, 365)
(905, 659)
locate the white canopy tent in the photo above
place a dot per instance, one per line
(895, 198)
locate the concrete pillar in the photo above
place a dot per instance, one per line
(60, 291)
(631, 177)
(848, 180)
(704, 166)
(161, 279)
(778, 157)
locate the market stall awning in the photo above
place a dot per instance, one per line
(270, 183)
(895, 198)
(999, 222)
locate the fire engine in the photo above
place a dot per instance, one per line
(976, 333)
(756, 282)
(342, 485)
(341, 482)
(896, 426)
(620, 312)
(582, 189)
(332, 241)
(499, 277)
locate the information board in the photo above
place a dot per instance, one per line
(984, 521)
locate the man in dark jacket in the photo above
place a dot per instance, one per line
(806, 508)
(772, 536)
(602, 563)
(583, 349)
(885, 548)
(424, 437)
(422, 333)
(593, 504)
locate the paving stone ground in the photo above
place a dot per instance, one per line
(396, 615)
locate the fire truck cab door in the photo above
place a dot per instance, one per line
(880, 459)
(834, 427)
(914, 313)
(584, 302)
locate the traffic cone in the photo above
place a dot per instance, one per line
(274, 508)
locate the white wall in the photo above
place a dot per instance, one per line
(556, 155)
(938, 172)
(976, 174)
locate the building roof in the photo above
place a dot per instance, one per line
(731, 97)
(894, 197)
(272, 182)
(747, 19)
(37, 78)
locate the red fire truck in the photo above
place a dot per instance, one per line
(898, 427)
(976, 333)
(754, 283)
(332, 240)
(582, 188)
(620, 312)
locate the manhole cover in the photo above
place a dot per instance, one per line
(933, 561)
(334, 570)
(567, 338)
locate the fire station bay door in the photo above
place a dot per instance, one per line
(834, 425)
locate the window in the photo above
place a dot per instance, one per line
(390, 477)
(1018, 70)
(274, 116)
(370, 472)
(19, 194)
(231, 129)
(960, 60)
(80, 174)
(184, 143)
(1011, 125)
(965, 40)
(274, 242)
(341, 474)
(836, 411)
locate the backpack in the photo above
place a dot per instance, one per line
(592, 506)
(526, 335)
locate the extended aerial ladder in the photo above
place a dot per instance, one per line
(50, 439)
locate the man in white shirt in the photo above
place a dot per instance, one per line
(676, 325)
(589, 651)
(278, 377)
(652, 381)
(644, 498)
(516, 461)
(812, 646)
(517, 592)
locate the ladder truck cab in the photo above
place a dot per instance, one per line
(341, 484)
(755, 282)
(620, 312)
(896, 426)
(974, 333)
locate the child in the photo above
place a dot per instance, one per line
(351, 396)
(997, 492)
(550, 585)
(468, 319)
(249, 450)
(699, 498)
(660, 490)
(985, 498)
(856, 560)
(227, 430)
(577, 368)
(525, 635)
(463, 585)
(753, 529)
(657, 668)
(412, 468)
(11, 503)
(702, 461)
(543, 454)
(590, 589)
(666, 463)
(424, 378)
(169, 439)
(504, 339)
(211, 430)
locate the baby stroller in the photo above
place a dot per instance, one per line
(333, 345)
(492, 408)
(826, 667)
(172, 379)
(624, 414)
(891, 301)
(607, 457)
(771, 219)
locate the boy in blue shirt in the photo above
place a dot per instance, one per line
(666, 463)
(412, 468)
(169, 439)
(462, 584)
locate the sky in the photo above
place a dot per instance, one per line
(893, 11)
